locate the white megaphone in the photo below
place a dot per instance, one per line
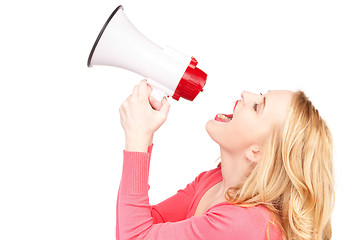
(120, 44)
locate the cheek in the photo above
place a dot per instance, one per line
(243, 131)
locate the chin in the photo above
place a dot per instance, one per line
(211, 129)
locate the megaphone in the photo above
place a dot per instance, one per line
(120, 44)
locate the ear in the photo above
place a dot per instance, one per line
(253, 154)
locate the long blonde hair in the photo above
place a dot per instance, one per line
(294, 178)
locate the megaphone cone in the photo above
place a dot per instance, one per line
(121, 45)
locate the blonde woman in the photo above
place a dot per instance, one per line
(275, 180)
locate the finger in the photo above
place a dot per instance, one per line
(136, 88)
(142, 89)
(149, 90)
(128, 97)
(121, 113)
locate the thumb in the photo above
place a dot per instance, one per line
(165, 107)
(155, 104)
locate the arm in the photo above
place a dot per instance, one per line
(140, 121)
(173, 209)
(140, 117)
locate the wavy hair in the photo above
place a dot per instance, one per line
(294, 178)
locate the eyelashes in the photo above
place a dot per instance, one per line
(255, 106)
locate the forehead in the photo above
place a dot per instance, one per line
(277, 96)
(278, 104)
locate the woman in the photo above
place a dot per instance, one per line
(275, 180)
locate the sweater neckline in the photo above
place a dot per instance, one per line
(214, 178)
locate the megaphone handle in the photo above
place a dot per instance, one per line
(157, 94)
(158, 90)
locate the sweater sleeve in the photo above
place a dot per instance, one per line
(136, 218)
(172, 209)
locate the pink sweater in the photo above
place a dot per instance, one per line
(173, 218)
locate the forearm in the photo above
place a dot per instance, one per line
(133, 208)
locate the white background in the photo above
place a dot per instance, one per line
(61, 140)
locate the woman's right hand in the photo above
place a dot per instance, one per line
(139, 119)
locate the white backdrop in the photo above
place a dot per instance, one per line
(61, 140)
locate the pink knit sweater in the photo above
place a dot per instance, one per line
(173, 218)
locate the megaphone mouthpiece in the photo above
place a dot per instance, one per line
(191, 83)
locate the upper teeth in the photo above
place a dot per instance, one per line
(222, 116)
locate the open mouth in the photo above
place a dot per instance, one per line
(223, 117)
(226, 117)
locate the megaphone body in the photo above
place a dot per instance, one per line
(120, 44)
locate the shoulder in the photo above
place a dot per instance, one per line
(245, 222)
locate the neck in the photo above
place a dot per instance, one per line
(234, 168)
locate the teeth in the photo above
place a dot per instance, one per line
(222, 116)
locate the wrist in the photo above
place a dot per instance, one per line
(137, 144)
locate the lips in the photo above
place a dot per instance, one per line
(223, 117)
(236, 103)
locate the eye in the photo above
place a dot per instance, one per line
(255, 106)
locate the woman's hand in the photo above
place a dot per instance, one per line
(140, 119)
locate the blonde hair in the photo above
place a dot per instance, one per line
(294, 178)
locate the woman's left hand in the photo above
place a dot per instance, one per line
(140, 118)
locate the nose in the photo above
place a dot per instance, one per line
(250, 97)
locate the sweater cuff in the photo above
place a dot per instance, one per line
(135, 173)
